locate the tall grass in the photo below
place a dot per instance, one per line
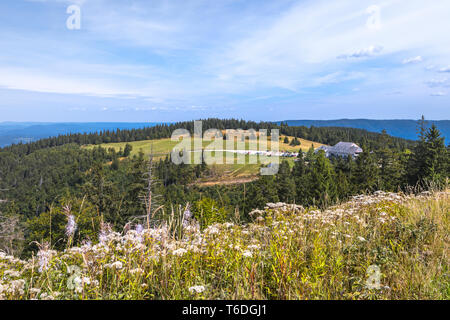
(287, 252)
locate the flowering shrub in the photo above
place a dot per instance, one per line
(382, 246)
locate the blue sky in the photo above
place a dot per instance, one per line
(259, 60)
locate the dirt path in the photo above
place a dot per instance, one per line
(226, 181)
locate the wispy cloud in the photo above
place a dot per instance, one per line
(412, 60)
(215, 56)
(438, 94)
(362, 53)
(438, 83)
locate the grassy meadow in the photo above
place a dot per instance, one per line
(380, 246)
(162, 147)
(221, 173)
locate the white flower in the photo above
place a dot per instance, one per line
(71, 226)
(247, 254)
(179, 252)
(139, 228)
(187, 215)
(44, 256)
(12, 273)
(211, 230)
(116, 265)
(136, 271)
(197, 289)
(361, 239)
(35, 290)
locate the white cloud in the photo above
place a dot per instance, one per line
(445, 69)
(438, 94)
(437, 83)
(197, 52)
(413, 60)
(78, 109)
(362, 53)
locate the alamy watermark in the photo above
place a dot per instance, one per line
(73, 22)
(239, 146)
(374, 20)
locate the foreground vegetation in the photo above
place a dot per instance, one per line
(285, 252)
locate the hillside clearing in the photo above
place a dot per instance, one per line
(225, 173)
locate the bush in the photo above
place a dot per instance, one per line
(208, 212)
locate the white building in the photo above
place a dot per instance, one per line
(341, 149)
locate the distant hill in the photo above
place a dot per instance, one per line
(398, 128)
(16, 132)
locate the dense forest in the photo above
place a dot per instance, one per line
(46, 181)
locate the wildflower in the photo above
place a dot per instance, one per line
(211, 230)
(247, 254)
(193, 228)
(187, 215)
(77, 284)
(16, 286)
(116, 265)
(196, 289)
(139, 228)
(12, 273)
(361, 239)
(179, 252)
(35, 290)
(253, 247)
(136, 271)
(44, 256)
(46, 296)
(105, 231)
(71, 226)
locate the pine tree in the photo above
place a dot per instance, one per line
(299, 173)
(391, 171)
(321, 186)
(416, 163)
(127, 150)
(365, 175)
(285, 183)
(436, 157)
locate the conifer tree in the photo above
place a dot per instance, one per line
(321, 186)
(285, 183)
(365, 174)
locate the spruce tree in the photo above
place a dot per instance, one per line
(365, 174)
(436, 157)
(321, 186)
(285, 183)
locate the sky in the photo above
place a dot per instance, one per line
(171, 60)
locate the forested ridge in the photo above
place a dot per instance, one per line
(325, 135)
(41, 180)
